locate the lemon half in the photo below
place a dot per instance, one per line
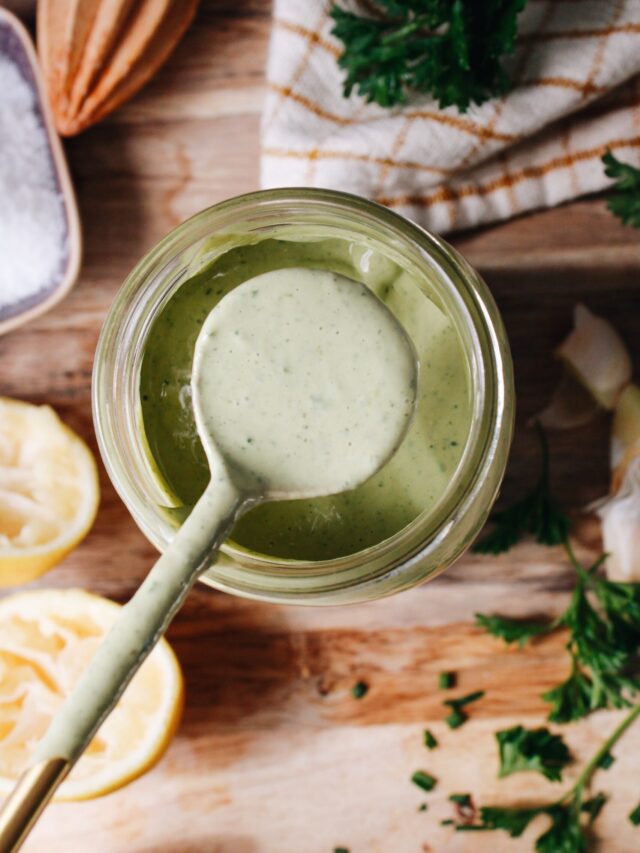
(49, 491)
(47, 638)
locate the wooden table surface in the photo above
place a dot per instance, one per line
(273, 754)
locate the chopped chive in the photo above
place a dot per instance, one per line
(429, 740)
(423, 807)
(456, 718)
(424, 780)
(446, 680)
(447, 822)
(359, 689)
(340, 850)
(634, 817)
(465, 700)
(606, 761)
(462, 800)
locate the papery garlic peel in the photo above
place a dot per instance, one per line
(620, 517)
(596, 354)
(625, 434)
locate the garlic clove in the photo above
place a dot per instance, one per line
(597, 356)
(620, 517)
(625, 434)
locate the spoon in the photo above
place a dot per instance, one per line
(304, 385)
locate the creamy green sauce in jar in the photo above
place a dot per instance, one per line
(322, 528)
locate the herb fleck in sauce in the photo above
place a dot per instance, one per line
(322, 528)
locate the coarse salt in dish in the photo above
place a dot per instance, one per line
(39, 232)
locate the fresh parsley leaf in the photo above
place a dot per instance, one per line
(451, 50)
(518, 631)
(594, 805)
(429, 739)
(606, 761)
(572, 699)
(563, 836)
(565, 833)
(536, 514)
(446, 680)
(539, 750)
(359, 690)
(458, 715)
(634, 816)
(621, 604)
(624, 201)
(592, 637)
(424, 780)
(513, 821)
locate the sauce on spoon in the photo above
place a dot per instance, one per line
(304, 384)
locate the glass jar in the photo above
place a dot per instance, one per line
(437, 536)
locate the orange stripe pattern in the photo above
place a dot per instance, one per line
(539, 145)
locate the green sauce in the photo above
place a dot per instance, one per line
(322, 528)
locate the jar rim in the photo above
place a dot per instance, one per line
(393, 563)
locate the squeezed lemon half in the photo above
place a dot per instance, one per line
(47, 638)
(49, 491)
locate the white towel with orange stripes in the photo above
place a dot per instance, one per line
(536, 147)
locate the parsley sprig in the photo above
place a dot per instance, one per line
(452, 50)
(567, 832)
(624, 201)
(603, 644)
(602, 617)
(538, 749)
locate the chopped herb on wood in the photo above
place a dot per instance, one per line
(359, 690)
(458, 715)
(539, 750)
(429, 739)
(634, 817)
(446, 680)
(606, 761)
(424, 780)
(593, 806)
(519, 631)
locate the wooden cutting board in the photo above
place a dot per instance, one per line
(273, 755)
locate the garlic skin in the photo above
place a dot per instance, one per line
(596, 354)
(625, 430)
(620, 517)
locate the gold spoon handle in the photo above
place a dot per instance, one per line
(27, 801)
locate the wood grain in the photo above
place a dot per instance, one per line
(273, 755)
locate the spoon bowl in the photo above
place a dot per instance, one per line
(288, 406)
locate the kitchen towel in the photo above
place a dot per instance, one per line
(535, 147)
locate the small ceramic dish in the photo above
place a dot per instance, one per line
(16, 45)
